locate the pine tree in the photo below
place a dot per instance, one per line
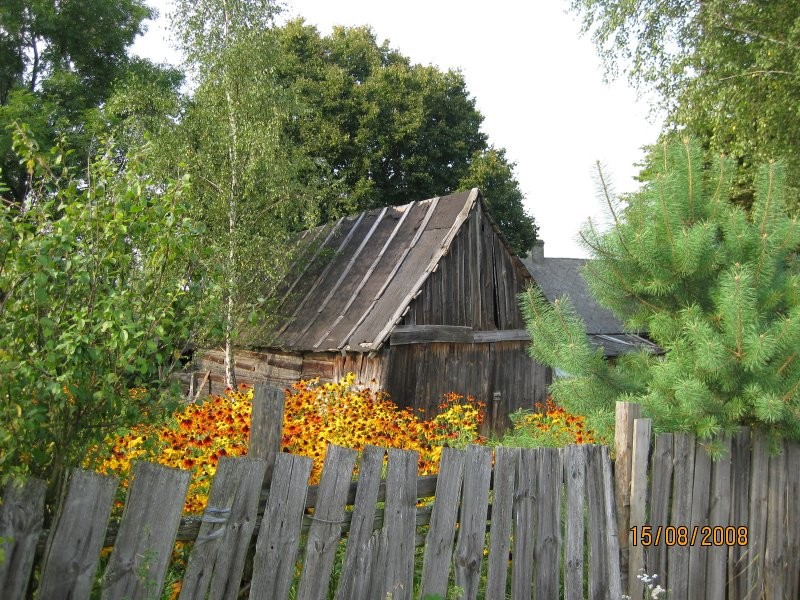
(714, 286)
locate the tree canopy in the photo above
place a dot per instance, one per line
(715, 287)
(59, 63)
(387, 132)
(726, 73)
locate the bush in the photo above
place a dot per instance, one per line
(551, 426)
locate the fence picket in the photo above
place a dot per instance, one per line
(598, 569)
(505, 474)
(442, 530)
(143, 548)
(757, 526)
(626, 415)
(279, 534)
(793, 520)
(354, 581)
(740, 511)
(698, 554)
(682, 484)
(216, 563)
(471, 540)
(326, 528)
(660, 494)
(21, 517)
(399, 523)
(719, 515)
(642, 429)
(78, 533)
(547, 546)
(524, 515)
(266, 426)
(610, 521)
(575, 476)
(775, 559)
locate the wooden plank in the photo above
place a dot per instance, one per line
(719, 516)
(472, 520)
(793, 519)
(700, 513)
(326, 528)
(575, 477)
(638, 509)
(378, 566)
(501, 335)
(358, 582)
(143, 549)
(682, 483)
(740, 512)
(611, 541)
(505, 474)
(776, 563)
(21, 517)
(310, 294)
(356, 293)
(757, 527)
(660, 494)
(217, 559)
(547, 546)
(399, 523)
(524, 523)
(343, 274)
(442, 530)
(77, 536)
(279, 534)
(598, 559)
(266, 426)
(390, 277)
(626, 414)
(354, 581)
(426, 334)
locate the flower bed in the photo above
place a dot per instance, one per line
(315, 415)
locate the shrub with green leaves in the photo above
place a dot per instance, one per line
(714, 286)
(95, 300)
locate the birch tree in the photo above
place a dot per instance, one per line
(244, 175)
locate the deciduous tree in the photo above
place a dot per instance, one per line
(95, 305)
(725, 72)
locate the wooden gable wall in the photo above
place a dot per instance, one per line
(474, 289)
(475, 285)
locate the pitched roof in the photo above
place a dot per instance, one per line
(558, 277)
(359, 275)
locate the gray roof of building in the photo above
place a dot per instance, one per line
(558, 277)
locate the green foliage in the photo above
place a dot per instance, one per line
(59, 62)
(490, 171)
(725, 72)
(716, 288)
(386, 132)
(95, 301)
(247, 191)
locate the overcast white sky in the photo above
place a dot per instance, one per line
(538, 84)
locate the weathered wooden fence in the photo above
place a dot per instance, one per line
(519, 502)
(715, 529)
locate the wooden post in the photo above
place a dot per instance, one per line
(266, 426)
(627, 413)
(639, 456)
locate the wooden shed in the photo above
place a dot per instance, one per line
(419, 299)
